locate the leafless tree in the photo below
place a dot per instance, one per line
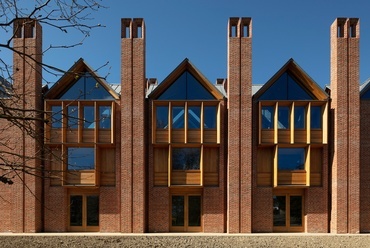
(62, 15)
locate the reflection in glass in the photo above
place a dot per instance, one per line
(162, 117)
(210, 116)
(316, 117)
(267, 117)
(178, 117)
(186, 158)
(299, 117)
(105, 115)
(81, 158)
(72, 117)
(89, 121)
(279, 210)
(194, 117)
(295, 210)
(92, 211)
(56, 116)
(75, 213)
(194, 216)
(178, 210)
(291, 158)
(283, 117)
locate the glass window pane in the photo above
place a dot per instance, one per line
(210, 116)
(299, 117)
(178, 210)
(89, 118)
(296, 211)
(92, 211)
(291, 158)
(178, 117)
(56, 117)
(82, 158)
(283, 117)
(186, 158)
(194, 117)
(194, 216)
(75, 212)
(72, 116)
(267, 117)
(279, 210)
(105, 117)
(162, 117)
(316, 117)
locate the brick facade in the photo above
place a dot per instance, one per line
(238, 202)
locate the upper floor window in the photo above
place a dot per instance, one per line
(186, 87)
(81, 158)
(299, 117)
(283, 117)
(286, 87)
(56, 116)
(267, 117)
(86, 87)
(186, 158)
(210, 116)
(291, 158)
(316, 117)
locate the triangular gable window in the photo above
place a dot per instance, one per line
(86, 88)
(186, 87)
(286, 88)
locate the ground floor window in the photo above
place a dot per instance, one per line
(186, 213)
(288, 212)
(84, 212)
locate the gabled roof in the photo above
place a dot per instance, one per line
(306, 82)
(70, 77)
(184, 66)
(365, 86)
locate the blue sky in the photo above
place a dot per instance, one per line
(197, 29)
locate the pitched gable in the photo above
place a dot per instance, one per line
(291, 83)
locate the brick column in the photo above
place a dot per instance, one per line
(345, 215)
(27, 199)
(132, 128)
(239, 182)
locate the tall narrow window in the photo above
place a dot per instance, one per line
(178, 117)
(299, 117)
(283, 117)
(316, 117)
(72, 117)
(56, 116)
(162, 117)
(194, 117)
(267, 113)
(105, 115)
(210, 116)
(89, 117)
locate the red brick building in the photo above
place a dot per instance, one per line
(186, 155)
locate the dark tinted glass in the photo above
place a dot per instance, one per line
(186, 158)
(81, 158)
(194, 216)
(316, 117)
(92, 210)
(75, 213)
(299, 117)
(178, 210)
(105, 114)
(286, 88)
(56, 116)
(72, 117)
(162, 117)
(178, 117)
(267, 117)
(296, 211)
(279, 210)
(283, 117)
(210, 116)
(194, 117)
(86, 87)
(186, 87)
(291, 158)
(89, 120)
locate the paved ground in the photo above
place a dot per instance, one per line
(182, 240)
